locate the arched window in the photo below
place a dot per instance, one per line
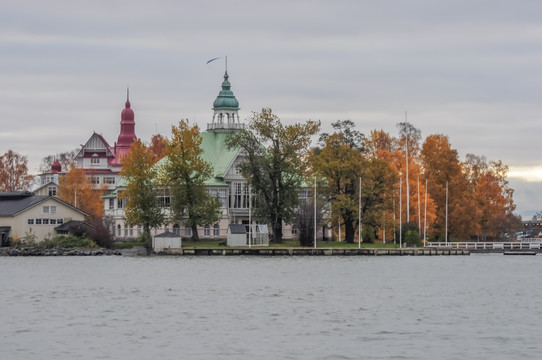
(176, 229)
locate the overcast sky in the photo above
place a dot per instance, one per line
(468, 69)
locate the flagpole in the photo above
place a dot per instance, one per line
(315, 212)
(425, 217)
(446, 234)
(419, 208)
(359, 216)
(400, 213)
(249, 216)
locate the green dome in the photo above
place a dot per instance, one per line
(226, 99)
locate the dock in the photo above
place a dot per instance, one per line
(261, 251)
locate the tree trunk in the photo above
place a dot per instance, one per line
(195, 235)
(277, 231)
(148, 238)
(349, 231)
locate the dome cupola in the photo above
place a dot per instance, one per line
(226, 108)
(225, 98)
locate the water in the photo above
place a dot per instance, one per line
(464, 307)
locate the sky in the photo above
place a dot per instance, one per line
(470, 70)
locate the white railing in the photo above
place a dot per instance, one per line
(488, 245)
(530, 240)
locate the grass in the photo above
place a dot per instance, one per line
(128, 244)
(287, 243)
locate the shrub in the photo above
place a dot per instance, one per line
(100, 234)
(67, 241)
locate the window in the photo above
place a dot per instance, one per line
(45, 221)
(187, 232)
(30, 221)
(95, 160)
(240, 196)
(49, 210)
(304, 195)
(38, 221)
(60, 221)
(216, 230)
(111, 204)
(294, 230)
(120, 203)
(52, 190)
(207, 231)
(109, 180)
(222, 195)
(165, 201)
(52, 221)
(118, 230)
(95, 180)
(176, 229)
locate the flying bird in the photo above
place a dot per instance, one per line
(213, 59)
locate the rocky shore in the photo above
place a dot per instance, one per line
(32, 251)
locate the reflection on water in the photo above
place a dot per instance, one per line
(474, 307)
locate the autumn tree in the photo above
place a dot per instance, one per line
(377, 182)
(75, 189)
(185, 173)
(14, 172)
(493, 196)
(274, 163)
(142, 207)
(442, 168)
(158, 146)
(339, 163)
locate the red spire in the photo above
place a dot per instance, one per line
(127, 124)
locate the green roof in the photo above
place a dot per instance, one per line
(225, 98)
(215, 152)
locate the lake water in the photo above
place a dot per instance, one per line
(451, 307)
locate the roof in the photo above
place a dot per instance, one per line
(216, 153)
(237, 229)
(72, 224)
(225, 98)
(13, 203)
(167, 234)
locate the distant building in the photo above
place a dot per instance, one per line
(26, 215)
(102, 162)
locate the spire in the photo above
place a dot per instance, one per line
(226, 108)
(127, 124)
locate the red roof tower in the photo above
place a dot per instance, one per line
(127, 132)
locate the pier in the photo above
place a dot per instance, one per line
(491, 247)
(316, 252)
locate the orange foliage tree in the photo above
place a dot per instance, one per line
(14, 172)
(442, 166)
(493, 197)
(75, 189)
(158, 147)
